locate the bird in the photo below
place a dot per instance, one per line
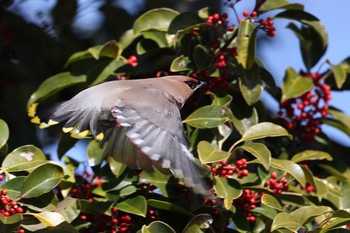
(137, 120)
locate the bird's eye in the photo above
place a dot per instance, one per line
(191, 84)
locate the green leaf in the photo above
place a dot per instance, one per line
(180, 63)
(95, 153)
(69, 208)
(246, 41)
(134, 205)
(4, 133)
(116, 167)
(339, 72)
(243, 118)
(250, 85)
(342, 118)
(291, 168)
(269, 5)
(108, 71)
(198, 223)
(156, 19)
(164, 205)
(41, 180)
(294, 85)
(202, 57)
(222, 99)
(156, 227)
(229, 189)
(49, 219)
(11, 223)
(266, 211)
(184, 21)
(14, 186)
(208, 117)
(262, 130)
(23, 158)
(286, 221)
(54, 84)
(159, 180)
(208, 154)
(259, 151)
(311, 155)
(45, 202)
(305, 214)
(271, 202)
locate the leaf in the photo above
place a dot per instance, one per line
(305, 214)
(202, 57)
(208, 117)
(134, 205)
(341, 117)
(69, 208)
(198, 223)
(259, 151)
(4, 133)
(116, 167)
(160, 180)
(339, 72)
(156, 19)
(108, 71)
(269, 5)
(291, 168)
(286, 221)
(262, 130)
(23, 158)
(294, 85)
(54, 84)
(14, 186)
(41, 180)
(156, 227)
(229, 189)
(184, 21)
(164, 205)
(95, 153)
(311, 155)
(207, 153)
(243, 118)
(271, 202)
(246, 41)
(109, 49)
(11, 223)
(180, 64)
(250, 85)
(49, 219)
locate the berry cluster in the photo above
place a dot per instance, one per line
(247, 202)
(133, 61)
(277, 184)
(267, 26)
(9, 207)
(84, 188)
(225, 169)
(303, 114)
(110, 224)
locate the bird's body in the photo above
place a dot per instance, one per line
(139, 121)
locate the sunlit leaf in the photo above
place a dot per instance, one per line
(269, 5)
(311, 155)
(259, 151)
(180, 64)
(134, 205)
(271, 202)
(198, 223)
(290, 167)
(246, 41)
(49, 219)
(228, 189)
(183, 21)
(4, 133)
(208, 154)
(286, 221)
(156, 19)
(96, 154)
(305, 214)
(156, 227)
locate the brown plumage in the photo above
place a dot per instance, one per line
(139, 120)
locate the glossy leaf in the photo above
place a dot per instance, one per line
(208, 117)
(311, 155)
(290, 167)
(11, 223)
(180, 64)
(41, 180)
(339, 72)
(294, 85)
(156, 227)
(55, 84)
(49, 219)
(164, 205)
(134, 205)
(95, 153)
(208, 154)
(269, 5)
(69, 208)
(4, 133)
(246, 41)
(259, 151)
(183, 21)
(158, 179)
(228, 189)
(286, 221)
(23, 158)
(116, 167)
(14, 186)
(251, 86)
(343, 118)
(198, 223)
(271, 202)
(156, 19)
(305, 214)
(262, 130)
(243, 120)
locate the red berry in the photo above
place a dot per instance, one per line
(244, 172)
(274, 175)
(4, 192)
(254, 14)
(19, 210)
(245, 13)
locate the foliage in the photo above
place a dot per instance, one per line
(269, 173)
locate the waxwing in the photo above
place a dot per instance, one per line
(138, 121)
